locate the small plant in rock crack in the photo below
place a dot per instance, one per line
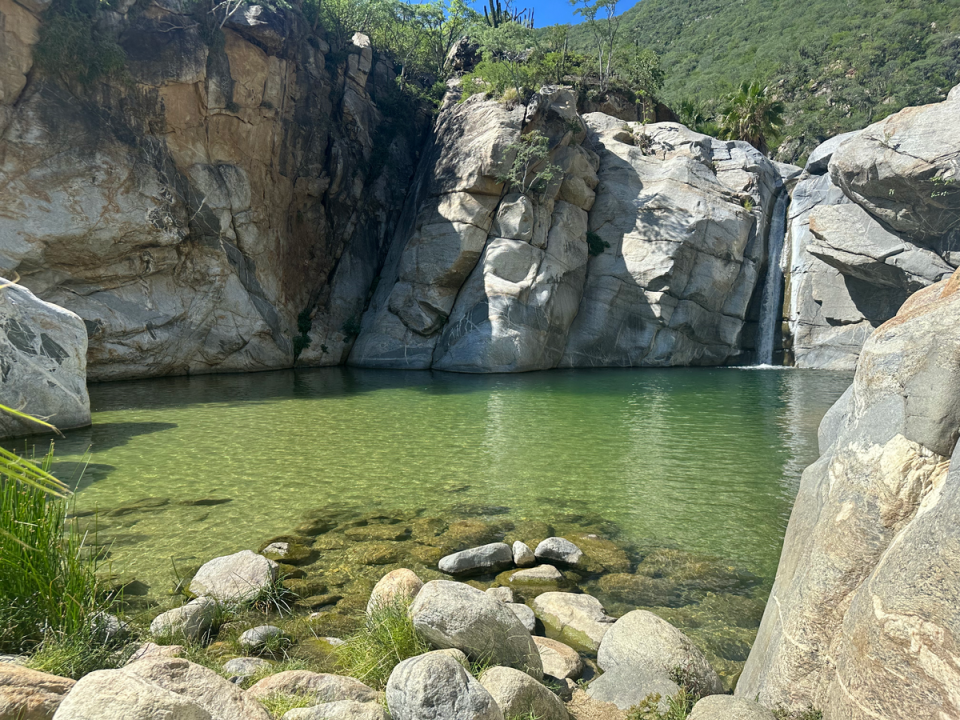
(596, 244)
(530, 172)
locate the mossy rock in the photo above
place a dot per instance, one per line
(315, 527)
(122, 584)
(526, 589)
(335, 624)
(304, 587)
(353, 604)
(600, 554)
(205, 502)
(730, 643)
(298, 551)
(378, 532)
(331, 541)
(148, 505)
(319, 652)
(374, 553)
(425, 529)
(425, 554)
(696, 572)
(641, 590)
(314, 602)
(290, 572)
(464, 534)
(531, 532)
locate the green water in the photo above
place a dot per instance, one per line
(705, 460)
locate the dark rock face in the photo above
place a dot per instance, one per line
(866, 588)
(193, 216)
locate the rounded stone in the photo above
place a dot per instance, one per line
(434, 686)
(397, 586)
(522, 555)
(236, 578)
(557, 549)
(727, 707)
(519, 695)
(484, 559)
(259, 637)
(559, 660)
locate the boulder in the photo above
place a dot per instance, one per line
(454, 615)
(476, 561)
(640, 656)
(519, 695)
(559, 661)
(28, 694)
(152, 650)
(503, 594)
(158, 688)
(397, 586)
(525, 614)
(236, 578)
(435, 686)
(577, 620)
(864, 591)
(522, 555)
(539, 574)
(326, 687)
(725, 707)
(107, 628)
(818, 161)
(260, 637)
(44, 351)
(556, 549)
(189, 622)
(341, 710)
(245, 666)
(895, 170)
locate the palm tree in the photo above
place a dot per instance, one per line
(749, 114)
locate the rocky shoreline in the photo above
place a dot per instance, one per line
(552, 654)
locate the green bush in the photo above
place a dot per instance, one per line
(387, 638)
(595, 244)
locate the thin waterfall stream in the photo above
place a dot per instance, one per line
(770, 299)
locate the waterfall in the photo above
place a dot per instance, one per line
(770, 300)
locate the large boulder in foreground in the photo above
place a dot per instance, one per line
(725, 707)
(324, 686)
(641, 654)
(158, 688)
(43, 363)
(867, 589)
(28, 694)
(454, 615)
(896, 169)
(236, 578)
(435, 686)
(519, 695)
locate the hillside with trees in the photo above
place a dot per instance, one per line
(835, 66)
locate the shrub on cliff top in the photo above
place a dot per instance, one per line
(73, 47)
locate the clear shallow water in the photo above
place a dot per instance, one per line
(705, 460)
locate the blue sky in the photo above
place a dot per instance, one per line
(549, 12)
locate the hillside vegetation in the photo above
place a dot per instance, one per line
(837, 65)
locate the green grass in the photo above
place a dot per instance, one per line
(782, 713)
(386, 638)
(76, 655)
(278, 704)
(679, 705)
(48, 579)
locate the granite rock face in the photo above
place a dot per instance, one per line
(43, 363)
(193, 215)
(583, 270)
(874, 217)
(866, 588)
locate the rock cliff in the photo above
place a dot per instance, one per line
(226, 198)
(643, 249)
(874, 217)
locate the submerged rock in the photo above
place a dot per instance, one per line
(454, 615)
(435, 686)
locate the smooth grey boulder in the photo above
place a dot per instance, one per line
(259, 637)
(575, 619)
(397, 586)
(475, 561)
(726, 707)
(44, 351)
(895, 169)
(189, 622)
(158, 688)
(455, 615)
(522, 555)
(557, 549)
(559, 661)
(324, 686)
(864, 590)
(245, 666)
(434, 686)
(519, 695)
(236, 578)
(639, 656)
(525, 615)
(341, 710)
(853, 242)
